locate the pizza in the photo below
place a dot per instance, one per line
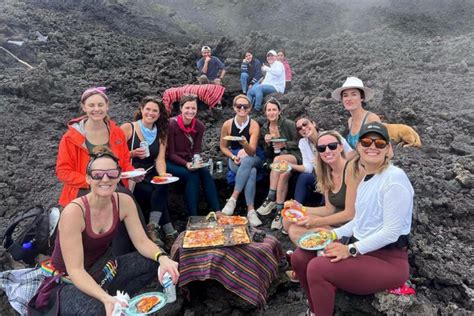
(208, 237)
(146, 304)
(293, 204)
(281, 166)
(159, 179)
(240, 235)
(232, 220)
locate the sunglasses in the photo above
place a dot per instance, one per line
(379, 143)
(242, 106)
(331, 146)
(299, 128)
(98, 174)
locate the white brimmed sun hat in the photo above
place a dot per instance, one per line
(353, 83)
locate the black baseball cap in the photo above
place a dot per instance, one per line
(374, 127)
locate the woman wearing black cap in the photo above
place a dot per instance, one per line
(376, 258)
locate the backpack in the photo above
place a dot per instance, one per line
(34, 235)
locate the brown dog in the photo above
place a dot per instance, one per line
(403, 135)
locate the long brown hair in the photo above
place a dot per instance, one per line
(162, 122)
(323, 170)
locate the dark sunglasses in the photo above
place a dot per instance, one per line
(331, 146)
(98, 174)
(242, 106)
(303, 125)
(379, 143)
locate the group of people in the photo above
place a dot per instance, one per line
(256, 80)
(367, 202)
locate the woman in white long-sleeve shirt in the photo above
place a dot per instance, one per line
(376, 258)
(274, 81)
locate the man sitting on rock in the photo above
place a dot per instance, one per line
(211, 68)
(250, 72)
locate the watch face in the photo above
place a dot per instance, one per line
(352, 250)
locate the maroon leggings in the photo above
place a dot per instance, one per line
(365, 274)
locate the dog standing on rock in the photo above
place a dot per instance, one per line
(403, 135)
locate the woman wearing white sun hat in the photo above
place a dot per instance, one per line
(354, 95)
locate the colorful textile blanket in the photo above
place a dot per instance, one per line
(210, 94)
(246, 270)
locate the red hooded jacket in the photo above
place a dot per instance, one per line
(73, 157)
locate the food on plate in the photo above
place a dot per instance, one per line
(208, 237)
(232, 138)
(315, 240)
(231, 220)
(293, 204)
(281, 166)
(240, 235)
(145, 304)
(294, 215)
(159, 179)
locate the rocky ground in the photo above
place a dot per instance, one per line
(417, 56)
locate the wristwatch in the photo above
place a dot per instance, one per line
(352, 250)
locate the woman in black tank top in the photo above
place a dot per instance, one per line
(333, 181)
(151, 127)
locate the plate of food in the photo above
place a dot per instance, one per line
(231, 220)
(240, 236)
(163, 180)
(146, 303)
(132, 174)
(233, 138)
(314, 240)
(278, 140)
(281, 166)
(294, 215)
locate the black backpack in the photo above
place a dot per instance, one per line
(32, 237)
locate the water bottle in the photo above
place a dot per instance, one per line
(211, 166)
(169, 288)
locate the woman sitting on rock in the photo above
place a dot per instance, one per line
(335, 182)
(184, 142)
(86, 229)
(242, 154)
(288, 76)
(376, 258)
(146, 139)
(279, 152)
(354, 97)
(93, 129)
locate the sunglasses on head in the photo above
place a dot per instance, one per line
(99, 174)
(331, 146)
(303, 125)
(379, 142)
(242, 106)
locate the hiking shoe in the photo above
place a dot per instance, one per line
(253, 218)
(277, 223)
(169, 240)
(219, 106)
(292, 276)
(229, 206)
(267, 207)
(153, 232)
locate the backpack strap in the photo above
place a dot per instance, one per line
(7, 235)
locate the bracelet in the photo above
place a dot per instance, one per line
(233, 157)
(333, 235)
(158, 254)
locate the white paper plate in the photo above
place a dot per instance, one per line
(168, 181)
(132, 174)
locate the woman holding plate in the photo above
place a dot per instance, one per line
(185, 134)
(281, 146)
(239, 138)
(376, 258)
(146, 138)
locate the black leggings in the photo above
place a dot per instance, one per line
(134, 273)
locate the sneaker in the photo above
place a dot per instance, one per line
(169, 240)
(253, 218)
(229, 207)
(292, 276)
(267, 207)
(153, 232)
(284, 232)
(277, 223)
(219, 106)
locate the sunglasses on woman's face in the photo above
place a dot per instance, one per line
(242, 106)
(98, 174)
(331, 146)
(379, 142)
(303, 125)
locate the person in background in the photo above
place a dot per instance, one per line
(376, 257)
(274, 81)
(250, 72)
(282, 58)
(287, 151)
(242, 156)
(354, 96)
(151, 127)
(184, 142)
(212, 69)
(86, 229)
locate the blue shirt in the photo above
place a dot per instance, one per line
(213, 67)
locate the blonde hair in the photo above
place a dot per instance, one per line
(323, 170)
(355, 164)
(241, 96)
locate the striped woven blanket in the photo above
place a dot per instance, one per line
(246, 270)
(210, 94)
